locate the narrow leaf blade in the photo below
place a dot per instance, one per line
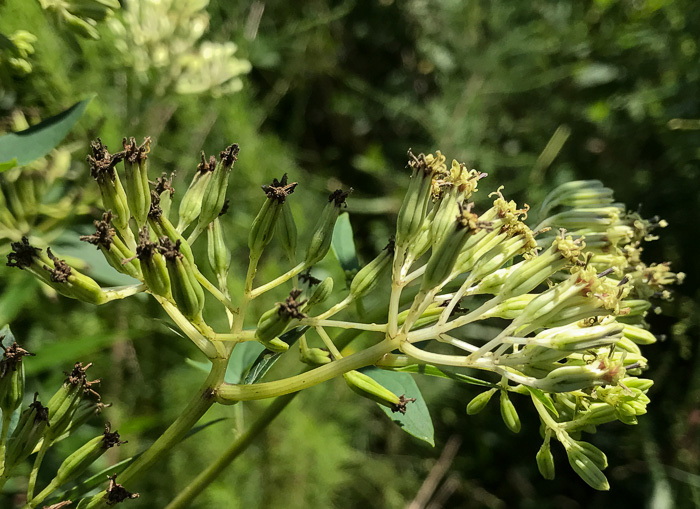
(343, 244)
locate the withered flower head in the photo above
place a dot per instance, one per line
(146, 248)
(279, 189)
(291, 307)
(42, 412)
(103, 232)
(116, 493)
(136, 153)
(23, 254)
(11, 358)
(79, 377)
(154, 210)
(401, 405)
(61, 270)
(164, 183)
(205, 165)
(229, 155)
(101, 161)
(306, 277)
(339, 196)
(110, 439)
(169, 249)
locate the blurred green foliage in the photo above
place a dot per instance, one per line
(532, 93)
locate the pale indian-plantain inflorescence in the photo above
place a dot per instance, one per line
(568, 295)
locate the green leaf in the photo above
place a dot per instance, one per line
(544, 399)
(37, 141)
(430, 370)
(266, 359)
(67, 351)
(241, 360)
(343, 244)
(8, 165)
(416, 421)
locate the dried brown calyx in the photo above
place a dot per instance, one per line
(111, 438)
(279, 189)
(134, 153)
(401, 405)
(12, 357)
(116, 493)
(23, 254)
(155, 211)
(164, 183)
(103, 232)
(61, 270)
(291, 307)
(205, 165)
(42, 412)
(168, 249)
(391, 245)
(101, 161)
(146, 249)
(339, 196)
(306, 277)
(79, 377)
(229, 155)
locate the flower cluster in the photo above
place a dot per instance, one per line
(569, 296)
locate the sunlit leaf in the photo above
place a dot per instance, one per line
(416, 421)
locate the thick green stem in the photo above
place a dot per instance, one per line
(206, 477)
(199, 405)
(278, 281)
(228, 394)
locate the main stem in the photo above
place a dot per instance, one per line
(197, 407)
(207, 476)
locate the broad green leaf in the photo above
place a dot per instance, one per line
(241, 360)
(430, 370)
(8, 165)
(267, 359)
(67, 351)
(416, 421)
(343, 244)
(544, 399)
(37, 141)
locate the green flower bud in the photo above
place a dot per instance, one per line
(186, 290)
(321, 293)
(102, 165)
(78, 462)
(638, 335)
(587, 464)
(312, 356)
(369, 388)
(263, 226)
(595, 219)
(573, 337)
(80, 26)
(574, 378)
(443, 259)
(274, 321)
(215, 192)
(11, 377)
(153, 266)
(479, 402)
(113, 248)
(72, 284)
(369, 276)
(287, 232)
(191, 204)
(415, 204)
(65, 401)
(138, 191)
(545, 461)
(578, 193)
(642, 384)
(323, 233)
(219, 255)
(511, 308)
(27, 434)
(508, 413)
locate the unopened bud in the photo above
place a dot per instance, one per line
(274, 321)
(75, 464)
(186, 290)
(321, 293)
(138, 191)
(263, 226)
(369, 388)
(153, 266)
(11, 377)
(323, 233)
(545, 461)
(587, 464)
(215, 192)
(26, 435)
(191, 204)
(578, 193)
(287, 232)
(509, 414)
(369, 276)
(479, 402)
(219, 255)
(102, 167)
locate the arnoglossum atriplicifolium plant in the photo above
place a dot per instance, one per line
(569, 297)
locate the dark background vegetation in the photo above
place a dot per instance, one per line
(337, 93)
